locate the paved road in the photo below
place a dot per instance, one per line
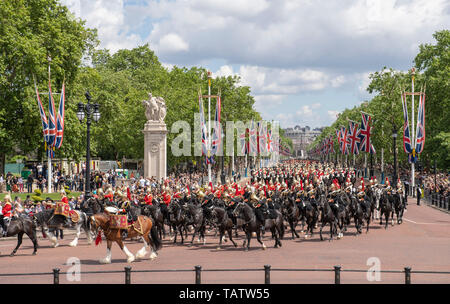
(421, 242)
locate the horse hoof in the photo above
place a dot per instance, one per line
(105, 261)
(34, 253)
(153, 256)
(12, 254)
(246, 249)
(218, 248)
(131, 259)
(73, 244)
(55, 245)
(264, 247)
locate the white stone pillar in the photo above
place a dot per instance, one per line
(155, 150)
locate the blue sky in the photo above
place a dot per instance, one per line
(305, 60)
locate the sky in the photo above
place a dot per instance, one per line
(304, 60)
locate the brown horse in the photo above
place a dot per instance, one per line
(143, 228)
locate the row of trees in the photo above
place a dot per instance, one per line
(32, 30)
(432, 65)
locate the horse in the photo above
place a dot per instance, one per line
(20, 226)
(48, 219)
(154, 211)
(386, 209)
(223, 223)
(252, 224)
(176, 219)
(276, 225)
(399, 207)
(145, 229)
(327, 217)
(83, 222)
(198, 221)
(311, 215)
(291, 213)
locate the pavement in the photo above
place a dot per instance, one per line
(421, 242)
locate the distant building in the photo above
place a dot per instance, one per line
(301, 138)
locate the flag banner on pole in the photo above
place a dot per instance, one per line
(60, 119)
(270, 141)
(353, 137)
(51, 119)
(242, 143)
(253, 146)
(43, 116)
(407, 145)
(331, 144)
(365, 133)
(345, 141)
(338, 135)
(262, 138)
(217, 133)
(420, 131)
(203, 126)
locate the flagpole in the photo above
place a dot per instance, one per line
(49, 151)
(209, 125)
(413, 135)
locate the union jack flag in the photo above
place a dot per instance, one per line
(365, 133)
(243, 142)
(331, 144)
(407, 145)
(269, 141)
(43, 116)
(52, 119)
(60, 119)
(217, 135)
(262, 133)
(344, 141)
(353, 139)
(420, 133)
(203, 126)
(253, 146)
(338, 135)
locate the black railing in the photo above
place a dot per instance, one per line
(267, 269)
(437, 200)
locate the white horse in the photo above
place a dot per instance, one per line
(83, 222)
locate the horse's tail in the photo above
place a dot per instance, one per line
(282, 230)
(155, 237)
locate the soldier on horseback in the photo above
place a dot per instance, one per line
(7, 213)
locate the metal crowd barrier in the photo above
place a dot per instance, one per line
(438, 200)
(267, 269)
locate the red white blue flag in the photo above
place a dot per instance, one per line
(407, 145)
(365, 133)
(353, 139)
(217, 134)
(253, 145)
(51, 120)
(43, 116)
(344, 141)
(243, 141)
(269, 141)
(420, 133)
(203, 127)
(262, 134)
(60, 119)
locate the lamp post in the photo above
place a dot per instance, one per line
(394, 136)
(91, 112)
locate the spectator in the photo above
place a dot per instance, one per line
(30, 181)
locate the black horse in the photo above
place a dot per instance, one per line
(310, 213)
(399, 207)
(20, 226)
(327, 217)
(251, 224)
(223, 223)
(291, 213)
(176, 219)
(47, 220)
(197, 220)
(386, 208)
(154, 211)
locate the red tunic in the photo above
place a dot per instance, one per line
(167, 199)
(148, 199)
(7, 210)
(110, 197)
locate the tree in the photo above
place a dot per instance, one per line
(30, 32)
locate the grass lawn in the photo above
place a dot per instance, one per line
(53, 196)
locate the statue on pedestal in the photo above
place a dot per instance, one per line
(155, 108)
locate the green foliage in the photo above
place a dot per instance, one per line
(433, 63)
(37, 197)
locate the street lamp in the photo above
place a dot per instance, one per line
(394, 136)
(91, 112)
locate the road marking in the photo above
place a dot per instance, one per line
(426, 223)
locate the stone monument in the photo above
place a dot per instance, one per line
(155, 138)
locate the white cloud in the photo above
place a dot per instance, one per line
(332, 115)
(171, 43)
